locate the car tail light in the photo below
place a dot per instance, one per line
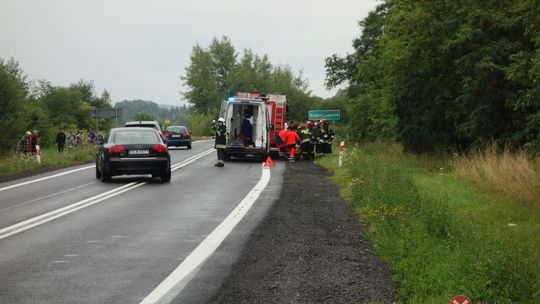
(185, 135)
(160, 148)
(116, 149)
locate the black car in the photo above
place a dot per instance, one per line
(133, 150)
(178, 136)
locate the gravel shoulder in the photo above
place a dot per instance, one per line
(310, 248)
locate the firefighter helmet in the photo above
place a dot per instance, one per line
(221, 119)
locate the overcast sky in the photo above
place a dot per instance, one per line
(137, 49)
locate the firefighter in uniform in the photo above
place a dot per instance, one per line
(220, 133)
(305, 142)
(327, 136)
(318, 138)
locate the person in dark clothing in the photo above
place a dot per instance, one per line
(220, 133)
(247, 131)
(327, 136)
(61, 140)
(319, 141)
(306, 145)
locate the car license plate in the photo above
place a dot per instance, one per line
(138, 152)
(176, 136)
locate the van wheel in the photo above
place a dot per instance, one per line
(189, 147)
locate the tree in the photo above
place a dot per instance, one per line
(201, 79)
(13, 94)
(216, 72)
(224, 61)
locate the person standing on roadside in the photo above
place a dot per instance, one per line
(26, 143)
(221, 142)
(61, 140)
(35, 139)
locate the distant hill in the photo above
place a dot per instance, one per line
(159, 111)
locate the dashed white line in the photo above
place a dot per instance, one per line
(45, 178)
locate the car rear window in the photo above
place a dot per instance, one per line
(176, 130)
(142, 125)
(135, 137)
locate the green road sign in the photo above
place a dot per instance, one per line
(324, 114)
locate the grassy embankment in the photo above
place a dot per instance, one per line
(446, 227)
(50, 158)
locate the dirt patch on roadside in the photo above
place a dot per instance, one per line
(309, 249)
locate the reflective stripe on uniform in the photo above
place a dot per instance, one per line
(220, 161)
(218, 146)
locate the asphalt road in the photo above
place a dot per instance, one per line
(65, 237)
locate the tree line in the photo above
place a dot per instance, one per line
(40, 105)
(217, 71)
(447, 75)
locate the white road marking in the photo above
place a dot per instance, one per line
(49, 216)
(45, 178)
(167, 290)
(191, 159)
(47, 196)
(71, 255)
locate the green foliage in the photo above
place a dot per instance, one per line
(201, 78)
(200, 124)
(445, 75)
(13, 91)
(440, 235)
(217, 71)
(144, 116)
(50, 158)
(40, 106)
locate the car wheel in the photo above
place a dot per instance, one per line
(98, 173)
(105, 176)
(166, 175)
(189, 146)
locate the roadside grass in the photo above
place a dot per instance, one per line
(511, 173)
(441, 234)
(50, 159)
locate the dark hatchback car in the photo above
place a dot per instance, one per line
(133, 150)
(178, 136)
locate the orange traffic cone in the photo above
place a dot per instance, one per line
(269, 162)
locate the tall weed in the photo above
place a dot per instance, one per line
(512, 173)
